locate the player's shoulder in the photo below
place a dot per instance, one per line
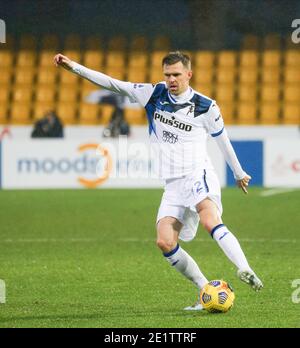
(203, 103)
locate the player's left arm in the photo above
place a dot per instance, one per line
(217, 130)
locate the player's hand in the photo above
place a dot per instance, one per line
(243, 183)
(63, 61)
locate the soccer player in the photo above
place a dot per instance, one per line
(180, 120)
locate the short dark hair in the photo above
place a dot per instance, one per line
(175, 57)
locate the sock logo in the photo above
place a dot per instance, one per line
(174, 263)
(223, 235)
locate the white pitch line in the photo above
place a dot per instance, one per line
(135, 240)
(276, 191)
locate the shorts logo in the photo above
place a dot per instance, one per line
(169, 137)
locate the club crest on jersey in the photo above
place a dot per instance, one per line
(191, 109)
(172, 122)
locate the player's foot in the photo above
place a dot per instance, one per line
(195, 307)
(250, 278)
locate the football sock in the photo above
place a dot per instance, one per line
(230, 246)
(185, 264)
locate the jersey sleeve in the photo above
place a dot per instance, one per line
(214, 120)
(137, 92)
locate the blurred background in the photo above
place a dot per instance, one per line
(245, 54)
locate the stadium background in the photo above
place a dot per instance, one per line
(243, 56)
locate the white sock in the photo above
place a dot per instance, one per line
(185, 264)
(231, 247)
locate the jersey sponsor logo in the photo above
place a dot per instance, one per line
(172, 122)
(169, 137)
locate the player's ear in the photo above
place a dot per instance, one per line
(190, 74)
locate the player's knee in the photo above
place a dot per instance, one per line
(165, 245)
(208, 224)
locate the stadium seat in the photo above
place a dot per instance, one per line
(137, 75)
(68, 78)
(46, 58)
(202, 75)
(93, 59)
(67, 112)
(272, 41)
(156, 58)
(45, 93)
(246, 113)
(3, 113)
(291, 93)
(139, 43)
(161, 42)
(292, 58)
(24, 76)
(4, 95)
(226, 75)
(248, 76)
(86, 88)
(115, 72)
(291, 113)
(137, 60)
(73, 54)
(93, 42)
(6, 59)
(270, 92)
(271, 58)
(50, 42)
(228, 111)
(249, 59)
(88, 113)
(47, 75)
(225, 93)
(251, 41)
(156, 75)
(227, 59)
(115, 59)
(22, 93)
(40, 108)
(26, 58)
(5, 76)
(203, 60)
(269, 113)
(292, 75)
(72, 42)
(28, 41)
(247, 92)
(206, 89)
(117, 43)
(67, 94)
(270, 75)
(135, 116)
(20, 113)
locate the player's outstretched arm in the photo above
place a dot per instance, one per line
(139, 95)
(64, 61)
(243, 183)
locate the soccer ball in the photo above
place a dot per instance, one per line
(217, 296)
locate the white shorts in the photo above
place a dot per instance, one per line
(181, 196)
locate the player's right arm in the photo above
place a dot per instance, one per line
(139, 93)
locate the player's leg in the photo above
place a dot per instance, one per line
(211, 220)
(168, 229)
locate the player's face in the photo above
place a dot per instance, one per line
(177, 77)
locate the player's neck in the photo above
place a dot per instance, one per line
(185, 95)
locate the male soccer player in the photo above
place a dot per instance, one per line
(180, 119)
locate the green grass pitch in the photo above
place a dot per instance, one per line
(87, 258)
